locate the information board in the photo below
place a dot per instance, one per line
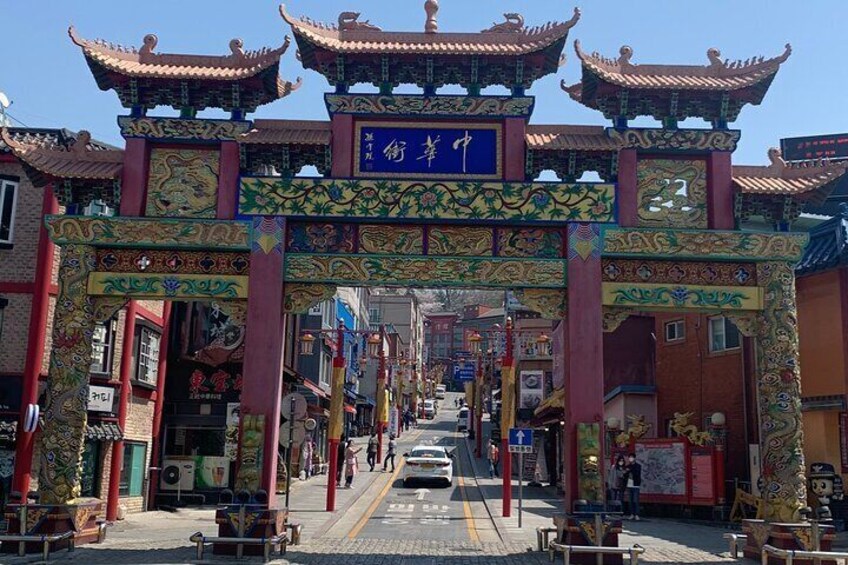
(702, 476)
(663, 471)
(833, 146)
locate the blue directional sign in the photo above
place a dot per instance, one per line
(520, 440)
(464, 371)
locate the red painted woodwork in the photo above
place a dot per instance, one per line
(134, 176)
(341, 141)
(152, 317)
(720, 191)
(35, 343)
(584, 361)
(514, 149)
(263, 359)
(159, 395)
(627, 189)
(18, 287)
(843, 294)
(505, 455)
(337, 415)
(124, 399)
(228, 181)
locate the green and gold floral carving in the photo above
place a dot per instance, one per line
(148, 232)
(672, 193)
(703, 244)
(424, 200)
(551, 304)
(169, 286)
(383, 270)
(299, 298)
(681, 296)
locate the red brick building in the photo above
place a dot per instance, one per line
(125, 364)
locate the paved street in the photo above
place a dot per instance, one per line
(381, 522)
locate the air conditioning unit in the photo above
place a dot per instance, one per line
(98, 208)
(177, 475)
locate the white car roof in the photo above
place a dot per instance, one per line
(424, 446)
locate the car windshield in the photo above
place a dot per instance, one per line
(463, 413)
(428, 453)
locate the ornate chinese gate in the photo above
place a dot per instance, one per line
(427, 190)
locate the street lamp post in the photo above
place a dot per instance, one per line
(307, 343)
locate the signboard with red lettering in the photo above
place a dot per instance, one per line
(676, 472)
(833, 146)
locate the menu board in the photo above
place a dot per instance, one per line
(702, 476)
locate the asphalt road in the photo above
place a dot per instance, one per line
(427, 511)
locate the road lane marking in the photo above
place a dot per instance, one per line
(373, 508)
(466, 506)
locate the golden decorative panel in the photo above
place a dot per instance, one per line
(183, 183)
(460, 241)
(672, 193)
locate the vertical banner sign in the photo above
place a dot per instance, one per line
(507, 400)
(532, 387)
(337, 403)
(393, 422)
(843, 440)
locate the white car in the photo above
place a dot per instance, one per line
(462, 419)
(428, 463)
(429, 409)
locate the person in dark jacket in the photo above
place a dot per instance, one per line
(633, 481)
(340, 459)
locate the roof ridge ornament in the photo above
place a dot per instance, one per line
(80, 145)
(513, 23)
(349, 21)
(148, 44)
(431, 8)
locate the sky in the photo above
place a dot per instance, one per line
(50, 85)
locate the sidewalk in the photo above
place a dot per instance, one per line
(666, 541)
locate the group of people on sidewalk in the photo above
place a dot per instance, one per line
(349, 460)
(626, 475)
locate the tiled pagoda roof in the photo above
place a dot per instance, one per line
(144, 63)
(828, 247)
(808, 181)
(143, 78)
(569, 138)
(83, 159)
(359, 38)
(287, 132)
(717, 75)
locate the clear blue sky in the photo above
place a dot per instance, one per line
(46, 76)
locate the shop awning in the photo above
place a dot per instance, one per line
(104, 431)
(349, 409)
(314, 388)
(101, 431)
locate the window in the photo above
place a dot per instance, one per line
(103, 347)
(374, 316)
(328, 314)
(723, 335)
(675, 331)
(8, 195)
(132, 473)
(147, 355)
(326, 372)
(90, 477)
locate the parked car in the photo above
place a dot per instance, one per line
(429, 409)
(428, 463)
(462, 419)
(440, 391)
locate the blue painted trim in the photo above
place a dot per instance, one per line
(630, 389)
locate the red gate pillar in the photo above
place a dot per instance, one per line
(263, 356)
(584, 354)
(507, 418)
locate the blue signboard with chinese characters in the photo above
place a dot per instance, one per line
(436, 150)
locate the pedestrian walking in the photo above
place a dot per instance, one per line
(340, 461)
(306, 451)
(373, 446)
(351, 463)
(390, 454)
(633, 483)
(616, 481)
(494, 455)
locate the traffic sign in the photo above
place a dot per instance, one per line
(464, 371)
(520, 440)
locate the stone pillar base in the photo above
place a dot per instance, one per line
(81, 518)
(785, 536)
(582, 529)
(247, 521)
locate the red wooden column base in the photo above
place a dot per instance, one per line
(332, 471)
(506, 473)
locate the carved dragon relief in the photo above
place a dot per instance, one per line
(513, 23)
(682, 427)
(349, 21)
